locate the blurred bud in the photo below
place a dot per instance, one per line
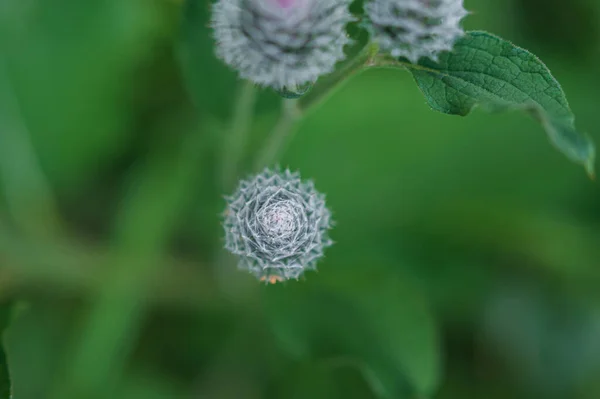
(416, 28)
(281, 43)
(277, 224)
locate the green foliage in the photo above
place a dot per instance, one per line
(209, 83)
(484, 70)
(401, 357)
(80, 74)
(466, 255)
(5, 382)
(35, 345)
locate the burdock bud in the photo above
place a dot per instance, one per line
(277, 224)
(281, 43)
(416, 28)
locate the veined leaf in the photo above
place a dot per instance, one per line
(485, 70)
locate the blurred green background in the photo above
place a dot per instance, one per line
(467, 255)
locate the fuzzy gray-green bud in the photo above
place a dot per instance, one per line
(277, 224)
(415, 29)
(282, 44)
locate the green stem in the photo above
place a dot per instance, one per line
(328, 85)
(236, 140)
(294, 110)
(386, 61)
(232, 154)
(280, 134)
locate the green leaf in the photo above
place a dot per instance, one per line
(375, 321)
(493, 73)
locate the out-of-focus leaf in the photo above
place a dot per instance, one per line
(549, 341)
(151, 210)
(35, 344)
(71, 64)
(5, 383)
(402, 321)
(29, 199)
(488, 71)
(210, 83)
(379, 321)
(321, 380)
(307, 380)
(149, 386)
(567, 29)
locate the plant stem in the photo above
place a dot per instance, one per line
(368, 58)
(294, 110)
(235, 141)
(386, 61)
(280, 134)
(330, 84)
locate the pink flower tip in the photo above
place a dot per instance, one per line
(285, 3)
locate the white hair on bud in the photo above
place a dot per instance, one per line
(281, 43)
(277, 224)
(416, 28)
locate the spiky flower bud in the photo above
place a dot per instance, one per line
(277, 224)
(281, 43)
(416, 28)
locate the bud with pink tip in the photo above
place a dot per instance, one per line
(283, 44)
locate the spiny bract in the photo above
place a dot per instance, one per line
(281, 43)
(277, 224)
(416, 28)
